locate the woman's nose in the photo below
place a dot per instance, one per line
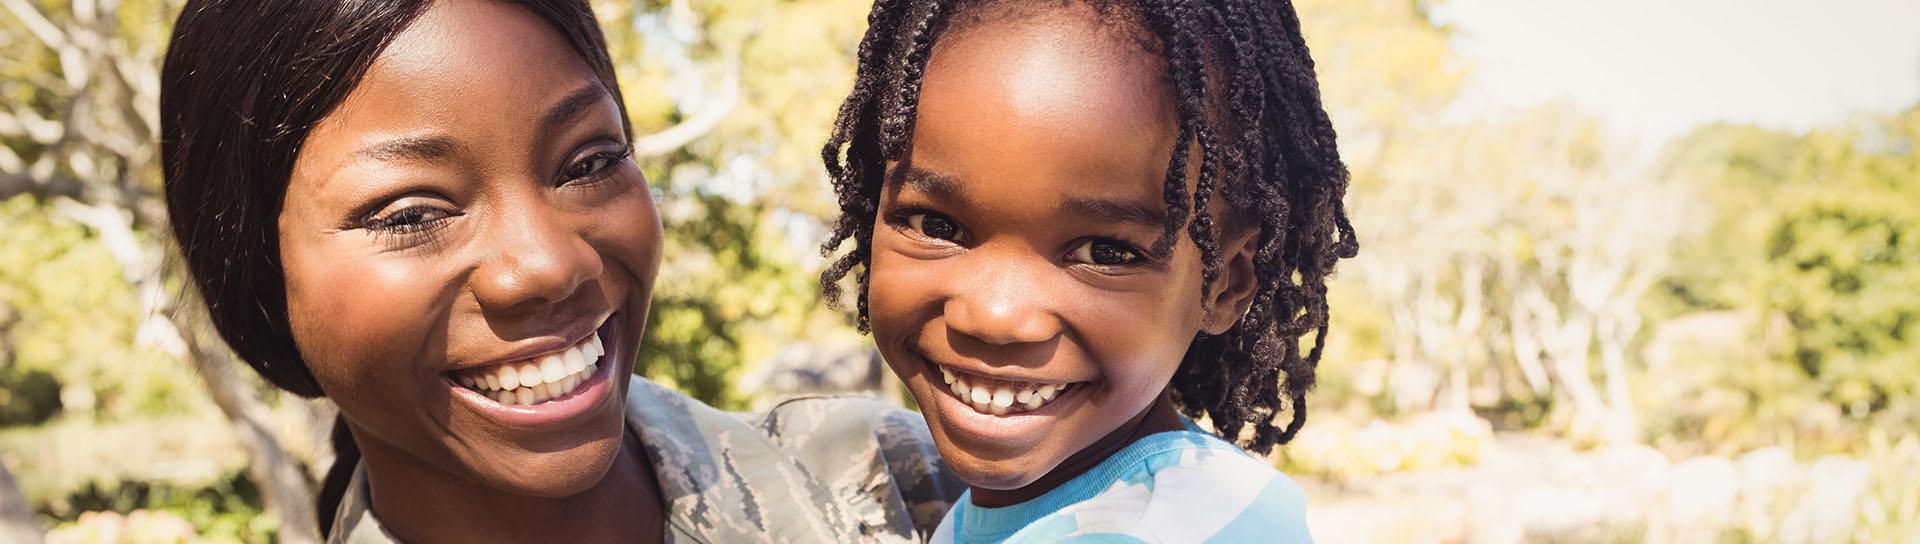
(536, 260)
(1003, 303)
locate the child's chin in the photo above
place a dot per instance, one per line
(997, 475)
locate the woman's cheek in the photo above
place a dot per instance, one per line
(392, 304)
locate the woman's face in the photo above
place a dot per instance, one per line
(469, 254)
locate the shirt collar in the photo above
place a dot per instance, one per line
(721, 479)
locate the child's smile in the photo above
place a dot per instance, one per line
(1000, 397)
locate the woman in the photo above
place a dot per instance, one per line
(427, 213)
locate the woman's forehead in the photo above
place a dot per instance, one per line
(466, 74)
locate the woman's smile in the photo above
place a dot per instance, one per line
(547, 388)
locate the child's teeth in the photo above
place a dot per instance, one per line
(1002, 398)
(997, 399)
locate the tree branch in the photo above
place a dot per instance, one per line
(15, 184)
(700, 123)
(37, 23)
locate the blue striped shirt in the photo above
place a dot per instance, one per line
(1177, 486)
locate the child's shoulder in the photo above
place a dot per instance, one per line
(1188, 486)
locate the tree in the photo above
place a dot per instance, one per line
(745, 206)
(1814, 242)
(85, 143)
(1508, 254)
(16, 516)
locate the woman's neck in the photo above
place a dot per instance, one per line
(432, 505)
(1158, 417)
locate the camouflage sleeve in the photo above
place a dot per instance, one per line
(875, 456)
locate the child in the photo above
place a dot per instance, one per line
(1076, 224)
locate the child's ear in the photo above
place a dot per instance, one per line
(1233, 289)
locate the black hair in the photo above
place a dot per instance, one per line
(1247, 98)
(243, 83)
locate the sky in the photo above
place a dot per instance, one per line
(1654, 69)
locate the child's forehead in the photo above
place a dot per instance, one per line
(1034, 90)
(1055, 70)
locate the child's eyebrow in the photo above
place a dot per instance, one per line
(935, 185)
(1116, 211)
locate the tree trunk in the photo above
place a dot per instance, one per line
(283, 485)
(16, 516)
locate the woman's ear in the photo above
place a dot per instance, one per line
(1233, 289)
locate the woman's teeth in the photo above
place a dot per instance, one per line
(540, 379)
(997, 397)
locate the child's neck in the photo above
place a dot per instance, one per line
(1159, 417)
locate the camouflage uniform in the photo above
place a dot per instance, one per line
(812, 469)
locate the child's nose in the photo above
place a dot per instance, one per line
(1002, 308)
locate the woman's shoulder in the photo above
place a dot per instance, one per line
(875, 453)
(858, 465)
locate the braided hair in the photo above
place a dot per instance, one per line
(1247, 99)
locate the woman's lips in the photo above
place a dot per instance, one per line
(578, 387)
(550, 377)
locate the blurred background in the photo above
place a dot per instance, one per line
(1634, 270)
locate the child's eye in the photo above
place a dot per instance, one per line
(1104, 252)
(936, 226)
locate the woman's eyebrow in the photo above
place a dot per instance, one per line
(567, 108)
(410, 148)
(436, 147)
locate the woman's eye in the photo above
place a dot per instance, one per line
(594, 165)
(409, 219)
(1105, 253)
(934, 226)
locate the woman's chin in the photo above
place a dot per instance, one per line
(556, 460)
(549, 474)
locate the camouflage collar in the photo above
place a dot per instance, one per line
(715, 473)
(724, 480)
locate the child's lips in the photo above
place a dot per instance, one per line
(996, 396)
(964, 420)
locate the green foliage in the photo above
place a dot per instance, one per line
(226, 511)
(742, 205)
(1817, 241)
(27, 397)
(74, 320)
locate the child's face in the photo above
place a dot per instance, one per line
(1011, 248)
